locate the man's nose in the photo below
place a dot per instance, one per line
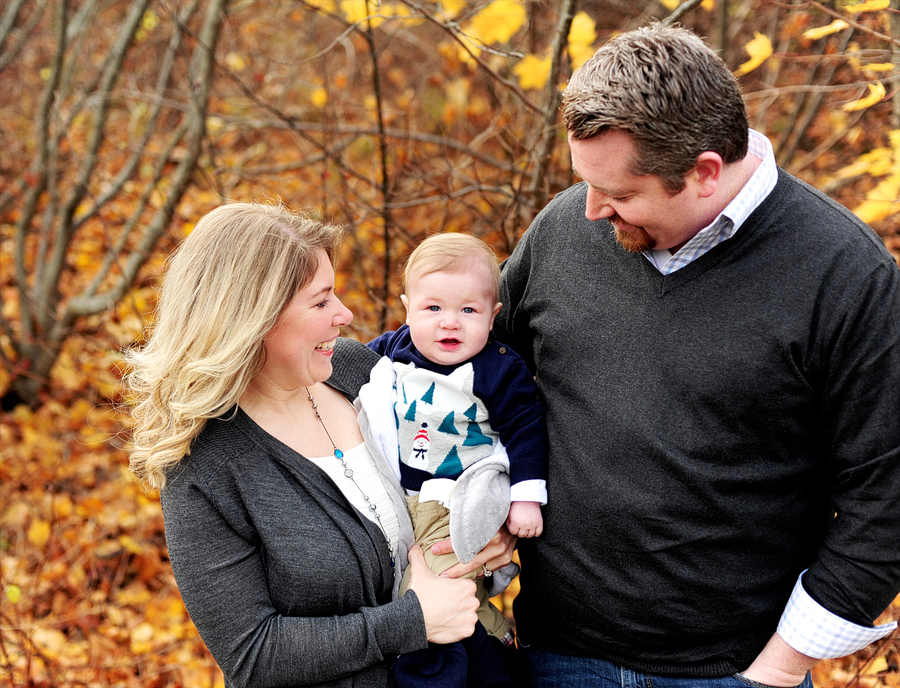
(597, 206)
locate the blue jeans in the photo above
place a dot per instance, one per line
(547, 669)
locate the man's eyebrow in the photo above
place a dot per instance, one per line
(608, 192)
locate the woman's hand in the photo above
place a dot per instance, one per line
(448, 606)
(495, 555)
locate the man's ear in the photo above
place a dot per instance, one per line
(405, 299)
(707, 173)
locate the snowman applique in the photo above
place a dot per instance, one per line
(418, 457)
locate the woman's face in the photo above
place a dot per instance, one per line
(300, 346)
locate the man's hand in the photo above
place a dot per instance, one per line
(495, 555)
(779, 665)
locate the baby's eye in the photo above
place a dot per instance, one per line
(434, 309)
(468, 309)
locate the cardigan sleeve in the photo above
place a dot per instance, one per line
(222, 579)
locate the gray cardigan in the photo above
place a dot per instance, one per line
(287, 583)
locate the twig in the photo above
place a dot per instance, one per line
(680, 11)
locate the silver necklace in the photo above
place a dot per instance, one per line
(348, 472)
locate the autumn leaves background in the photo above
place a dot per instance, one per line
(121, 123)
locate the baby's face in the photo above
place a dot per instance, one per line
(450, 314)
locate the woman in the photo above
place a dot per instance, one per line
(286, 536)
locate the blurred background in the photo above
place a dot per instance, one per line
(123, 121)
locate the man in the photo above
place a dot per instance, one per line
(718, 348)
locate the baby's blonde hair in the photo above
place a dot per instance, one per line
(224, 289)
(455, 253)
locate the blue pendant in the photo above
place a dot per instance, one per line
(338, 453)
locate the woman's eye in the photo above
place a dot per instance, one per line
(322, 304)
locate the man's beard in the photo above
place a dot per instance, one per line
(635, 239)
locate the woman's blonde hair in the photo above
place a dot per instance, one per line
(453, 252)
(223, 291)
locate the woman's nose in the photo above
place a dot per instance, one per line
(343, 316)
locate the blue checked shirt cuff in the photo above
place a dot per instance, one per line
(813, 630)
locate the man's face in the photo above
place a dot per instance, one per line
(644, 214)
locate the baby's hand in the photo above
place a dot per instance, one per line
(525, 519)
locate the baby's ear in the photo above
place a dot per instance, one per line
(405, 301)
(497, 307)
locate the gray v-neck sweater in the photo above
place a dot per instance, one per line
(703, 427)
(287, 583)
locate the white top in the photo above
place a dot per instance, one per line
(366, 482)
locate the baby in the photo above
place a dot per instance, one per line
(459, 396)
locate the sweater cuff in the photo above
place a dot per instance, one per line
(816, 632)
(529, 491)
(399, 626)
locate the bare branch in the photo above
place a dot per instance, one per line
(38, 174)
(680, 11)
(536, 189)
(201, 80)
(9, 20)
(162, 81)
(452, 29)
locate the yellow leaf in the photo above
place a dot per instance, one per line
(822, 31)
(50, 641)
(45, 73)
(318, 96)
(214, 124)
(870, 6)
(708, 5)
(670, 4)
(876, 95)
(879, 66)
(130, 544)
(583, 30)
(876, 163)
(13, 593)
(881, 202)
(878, 665)
(357, 11)
(141, 638)
(759, 49)
(451, 8)
(458, 92)
(39, 533)
(581, 39)
(150, 20)
(498, 22)
(235, 62)
(325, 5)
(533, 71)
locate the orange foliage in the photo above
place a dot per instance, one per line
(87, 596)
